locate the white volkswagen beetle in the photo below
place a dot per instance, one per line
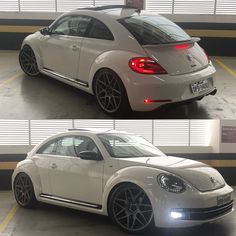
(124, 176)
(127, 58)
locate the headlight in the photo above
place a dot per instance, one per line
(171, 183)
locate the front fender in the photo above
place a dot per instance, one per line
(144, 177)
(28, 167)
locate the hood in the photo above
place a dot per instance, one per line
(198, 174)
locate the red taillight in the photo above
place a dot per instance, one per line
(152, 101)
(146, 65)
(182, 46)
(207, 56)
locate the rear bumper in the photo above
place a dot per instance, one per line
(165, 89)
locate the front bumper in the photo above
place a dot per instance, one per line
(195, 207)
(165, 89)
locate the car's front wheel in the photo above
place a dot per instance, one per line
(28, 61)
(24, 191)
(110, 92)
(131, 209)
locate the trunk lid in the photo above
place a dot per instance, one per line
(178, 58)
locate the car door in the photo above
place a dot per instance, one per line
(75, 179)
(97, 40)
(60, 49)
(42, 159)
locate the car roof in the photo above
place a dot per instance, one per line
(94, 131)
(113, 11)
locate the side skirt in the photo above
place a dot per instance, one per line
(70, 201)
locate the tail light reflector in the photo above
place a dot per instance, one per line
(146, 65)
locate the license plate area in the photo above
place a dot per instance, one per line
(200, 86)
(221, 200)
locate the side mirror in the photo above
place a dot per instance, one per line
(89, 155)
(44, 31)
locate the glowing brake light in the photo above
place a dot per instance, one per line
(207, 56)
(146, 65)
(182, 46)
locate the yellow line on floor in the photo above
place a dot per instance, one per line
(229, 70)
(10, 79)
(8, 218)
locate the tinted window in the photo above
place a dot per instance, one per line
(154, 29)
(71, 25)
(48, 148)
(99, 30)
(65, 147)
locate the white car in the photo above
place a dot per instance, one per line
(126, 57)
(123, 176)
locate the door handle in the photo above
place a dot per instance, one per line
(75, 48)
(53, 165)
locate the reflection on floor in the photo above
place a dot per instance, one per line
(22, 97)
(50, 220)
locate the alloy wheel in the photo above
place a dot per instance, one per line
(108, 91)
(28, 61)
(132, 209)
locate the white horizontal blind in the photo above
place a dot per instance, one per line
(68, 5)
(159, 6)
(14, 132)
(138, 127)
(97, 124)
(199, 132)
(41, 129)
(227, 7)
(37, 5)
(9, 5)
(171, 132)
(194, 6)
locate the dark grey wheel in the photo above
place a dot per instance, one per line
(28, 61)
(110, 92)
(131, 209)
(24, 191)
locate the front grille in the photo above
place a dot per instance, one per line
(205, 213)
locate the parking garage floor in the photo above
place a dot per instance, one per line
(22, 97)
(51, 220)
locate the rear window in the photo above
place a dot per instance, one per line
(154, 30)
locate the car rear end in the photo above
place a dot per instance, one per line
(174, 69)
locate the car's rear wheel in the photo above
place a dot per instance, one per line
(24, 191)
(28, 61)
(131, 209)
(110, 92)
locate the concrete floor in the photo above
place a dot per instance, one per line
(22, 97)
(49, 220)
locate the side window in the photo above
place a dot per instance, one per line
(65, 147)
(71, 25)
(83, 143)
(99, 30)
(48, 148)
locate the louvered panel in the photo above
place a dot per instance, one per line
(199, 132)
(14, 132)
(38, 5)
(171, 132)
(110, 2)
(90, 124)
(41, 129)
(138, 127)
(9, 5)
(194, 6)
(162, 6)
(227, 7)
(68, 5)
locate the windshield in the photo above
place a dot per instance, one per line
(154, 30)
(127, 146)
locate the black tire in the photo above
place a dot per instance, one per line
(28, 61)
(110, 92)
(130, 208)
(24, 191)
